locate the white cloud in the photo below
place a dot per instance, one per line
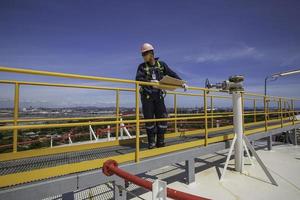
(222, 55)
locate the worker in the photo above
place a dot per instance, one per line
(153, 105)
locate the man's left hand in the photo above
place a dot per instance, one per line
(185, 87)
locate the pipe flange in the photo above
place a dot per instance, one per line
(107, 165)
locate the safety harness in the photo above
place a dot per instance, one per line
(158, 67)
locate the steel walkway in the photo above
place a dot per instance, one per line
(41, 162)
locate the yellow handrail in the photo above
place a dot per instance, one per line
(136, 84)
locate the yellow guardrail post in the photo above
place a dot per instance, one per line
(137, 117)
(175, 112)
(117, 113)
(289, 107)
(16, 115)
(268, 106)
(211, 112)
(281, 114)
(278, 109)
(284, 108)
(266, 113)
(293, 110)
(205, 116)
(254, 110)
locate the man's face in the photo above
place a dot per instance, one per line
(147, 56)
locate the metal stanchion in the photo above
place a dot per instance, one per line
(234, 86)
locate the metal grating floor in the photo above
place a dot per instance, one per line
(27, 164)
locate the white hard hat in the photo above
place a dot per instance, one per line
(146, 47)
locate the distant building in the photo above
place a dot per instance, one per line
(31, 134)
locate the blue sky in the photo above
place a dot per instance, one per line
(199, 39)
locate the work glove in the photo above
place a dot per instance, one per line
(154, 81)
(185, 87)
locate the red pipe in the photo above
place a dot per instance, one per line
(110, 168)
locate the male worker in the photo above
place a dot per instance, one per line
(153, 105)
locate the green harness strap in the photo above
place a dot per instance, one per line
(158, 66)
(147, 70)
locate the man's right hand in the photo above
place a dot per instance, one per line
(154, 81)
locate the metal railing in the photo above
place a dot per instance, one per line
(287, 111)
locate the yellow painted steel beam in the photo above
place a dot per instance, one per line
(266, 114)
(211, 112)
(94, 118)
(275, 112)
(215, 113)
(278, 109)
(137, 117)
(185, 114)
(183, 93)
(205, 119)
(65, 85)
(41, 126)
(92, 87)
(114, 116)
(195, 94)
(175, 112)
(284, 108)
(117, 113)
(77, 76)
(254, 110)
(62, 75)
(281, 113)
(254, 94)
(269, 97)
(248, 98)
(58, 119)
(293, 110)
(16, 115)
(86, 77)
(219, 96)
